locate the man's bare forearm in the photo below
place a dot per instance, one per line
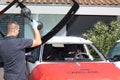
(37, 37)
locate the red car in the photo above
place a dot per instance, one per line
(70, 58)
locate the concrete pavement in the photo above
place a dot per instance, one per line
(1, 74)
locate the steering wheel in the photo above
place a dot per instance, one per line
(81, 56)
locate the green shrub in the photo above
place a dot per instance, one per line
(104, 35)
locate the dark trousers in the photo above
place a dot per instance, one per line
(13, 76)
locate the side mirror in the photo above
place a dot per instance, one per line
(29, 58)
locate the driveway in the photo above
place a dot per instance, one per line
(1, 74)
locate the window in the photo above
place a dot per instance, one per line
(5, 19)
(115, 50)
(65, 52)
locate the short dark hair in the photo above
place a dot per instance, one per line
(13, 22)
(9, 27)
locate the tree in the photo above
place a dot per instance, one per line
(104, 35)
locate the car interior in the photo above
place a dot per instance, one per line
(65, 52)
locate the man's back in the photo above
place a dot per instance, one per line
(12, 51)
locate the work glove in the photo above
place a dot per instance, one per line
(34, 24)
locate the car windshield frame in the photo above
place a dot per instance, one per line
(101, 56)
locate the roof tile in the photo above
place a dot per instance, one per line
(82, 2)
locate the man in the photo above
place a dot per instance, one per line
(12, 50)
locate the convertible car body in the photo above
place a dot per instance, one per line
(70, 58)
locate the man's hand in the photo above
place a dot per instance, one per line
(37, 37)
(34, 24)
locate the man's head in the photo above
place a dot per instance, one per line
(13, 29)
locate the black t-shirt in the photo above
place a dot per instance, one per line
(12, 51)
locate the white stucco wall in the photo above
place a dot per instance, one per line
(63, 9)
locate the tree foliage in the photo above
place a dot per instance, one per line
(104, 35)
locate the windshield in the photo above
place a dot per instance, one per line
(69, 52)
(52, 23)
(114, 51)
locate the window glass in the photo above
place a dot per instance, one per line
(6, 18)
(49, 21)
(69, 52)
(115, 50)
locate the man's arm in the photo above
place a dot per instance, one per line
(37, 37)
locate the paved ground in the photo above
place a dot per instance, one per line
(1, 74)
